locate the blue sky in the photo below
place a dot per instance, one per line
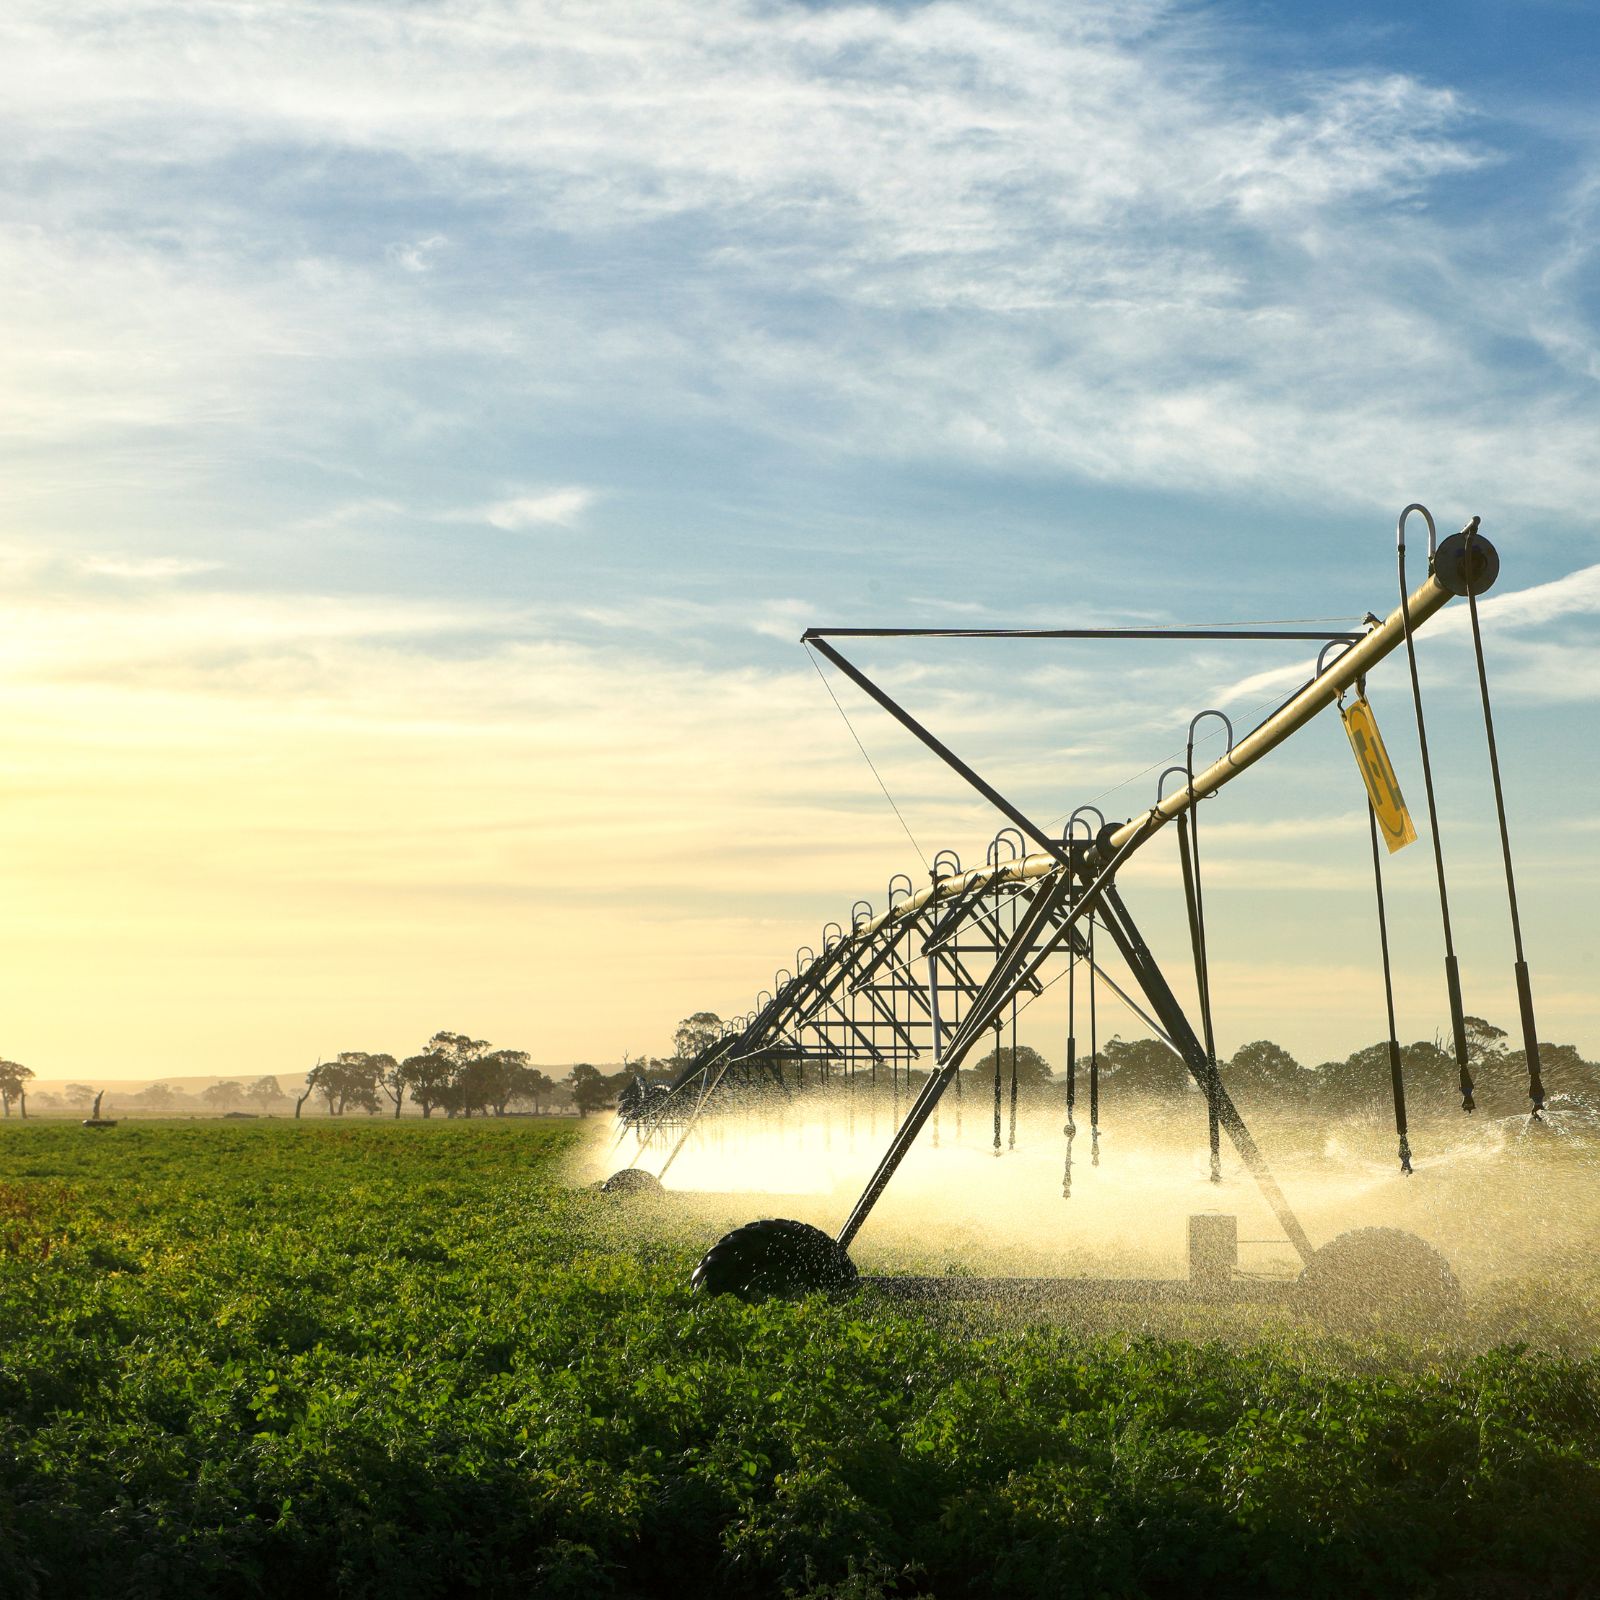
(427, 430)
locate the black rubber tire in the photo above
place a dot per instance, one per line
(774, 1258)
(1375, 1276)
(631, 1181)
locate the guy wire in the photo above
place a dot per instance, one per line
(811, 657)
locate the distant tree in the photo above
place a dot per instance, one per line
(365, 1080)
(330, 1085)
(219, 1096)
(1353, 1085)
(1565, 1070)
(1033, 1071)
(475, 1084)
(428, 1078)
(1500, 1076)
(266, 1094)
(652, 1069)
(350, 1079)
(459, 1075)
(310, 1089)
(695, 1033)
(500, 1075)
(534, 1087)
(1360, 1086)
(1144, 1067)
(78, 1095)
(459, 1048)
(463, 1094)
(1266, 1072)
(627, 1089)
(325, 1079)
(44, 1101)
(589, 1089)
(14, 1085)
(156, 1097)
(1485, 1042)
(390, 1081)
(1432, 1080)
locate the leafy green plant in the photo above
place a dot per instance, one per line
(399, 1360)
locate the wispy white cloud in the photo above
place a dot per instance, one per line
(417, 255)
(1032, 235)
(145, 569)
(550, 508)
(1565, 669)
(221, 641)
(1577, 594)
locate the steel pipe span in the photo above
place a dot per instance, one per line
(1430, 598)
(1342, 673)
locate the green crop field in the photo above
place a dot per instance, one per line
(403, 1360)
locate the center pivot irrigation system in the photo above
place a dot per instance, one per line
(946, 966)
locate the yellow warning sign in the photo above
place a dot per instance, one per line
(1383, 788)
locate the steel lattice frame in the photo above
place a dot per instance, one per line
(916, 988)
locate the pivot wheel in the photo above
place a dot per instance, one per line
(1377, 1275)
(774, 1257)
(632, 1180)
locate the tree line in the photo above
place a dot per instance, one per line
(456, 1075)
(459, 1076)
(453, 1074)
(1263, 1076)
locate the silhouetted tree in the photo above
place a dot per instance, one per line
(1500, 1079)
(1567, 1071)
(1360, 1085)
(1033, 1071)
(156, 1097)
(475, 1083)
(219, 1096)
(590, 1091)
(462, 1094)
(652, 1069)
(1143, 1067)
(458, 1047)
(1267, 1073)
(1485, 1042)
(1353, 1086)
(350, 1079)
(695, 1033)
(428, 1078)
(321, 1080)
(390, 1080)
(14, 1085)
(534, 1087)
(499, 1077)
(266, 1094)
